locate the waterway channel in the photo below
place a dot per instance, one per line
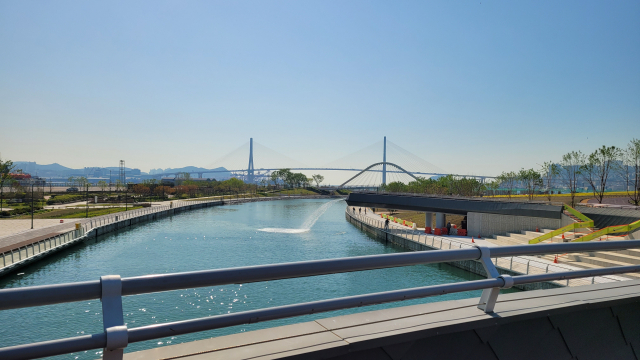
(216, 237)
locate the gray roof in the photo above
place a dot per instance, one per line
(603, 217)
(453, 205)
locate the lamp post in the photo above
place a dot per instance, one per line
(87, 196)
(31, 203)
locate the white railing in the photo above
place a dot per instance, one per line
(519, 264)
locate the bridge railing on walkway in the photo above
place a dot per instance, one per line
(116, 336)
(519, 264)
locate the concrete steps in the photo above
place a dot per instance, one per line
(599, 259)
(515, 238)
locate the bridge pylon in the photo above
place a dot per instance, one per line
(384, 162)
(250, 172)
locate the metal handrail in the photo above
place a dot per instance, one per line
(116, 337)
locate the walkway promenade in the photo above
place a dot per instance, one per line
(517, 265)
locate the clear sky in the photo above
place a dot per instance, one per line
(473, 87)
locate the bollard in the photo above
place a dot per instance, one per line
(77, 226)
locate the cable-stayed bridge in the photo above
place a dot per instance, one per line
(397, 164)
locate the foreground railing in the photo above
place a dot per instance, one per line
(116, 336)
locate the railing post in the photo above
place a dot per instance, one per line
(489, 296)
(112, 317)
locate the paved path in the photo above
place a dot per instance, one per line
(16, 233)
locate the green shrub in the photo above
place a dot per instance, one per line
(60, 199)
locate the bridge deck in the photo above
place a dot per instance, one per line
(599, 321)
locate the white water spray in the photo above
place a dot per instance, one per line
(308, 224)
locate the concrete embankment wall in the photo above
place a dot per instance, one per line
(486, 225)
(469, 265)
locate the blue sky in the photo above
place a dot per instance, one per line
(473, 87)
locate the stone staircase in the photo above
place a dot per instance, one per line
(599, 259)
(590, 260)
(524, 237)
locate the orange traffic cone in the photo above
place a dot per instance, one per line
(562, 237)
(555, 260)
(472, 240)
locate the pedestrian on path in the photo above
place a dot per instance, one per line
(360, 211)
(449, 227)
(386, 224)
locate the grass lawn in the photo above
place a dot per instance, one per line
(75, 213)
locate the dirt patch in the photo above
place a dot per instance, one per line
(418, 217)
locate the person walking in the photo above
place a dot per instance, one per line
(386, 225)
(449, 227)
(360, 211)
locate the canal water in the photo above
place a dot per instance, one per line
(216, 237)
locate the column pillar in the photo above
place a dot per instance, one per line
(428, 219)
(441, 220)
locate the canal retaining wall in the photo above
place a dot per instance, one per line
(405, 242)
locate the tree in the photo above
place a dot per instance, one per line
(274, 178)
(82, 181)
(72, 181)
(631, 167)
(102, 184)
(508, 180)
(141, 190)
(318, 179)
(549, 172)
(5, 177)
(570, 171)
(531, 180)
(286, 176)
(119, 185)
(492, 187)
(597, 168)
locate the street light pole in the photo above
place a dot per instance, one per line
(87, 195)
(31, 203)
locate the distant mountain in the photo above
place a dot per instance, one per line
(53, 167)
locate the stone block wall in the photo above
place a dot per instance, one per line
(487, 225)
